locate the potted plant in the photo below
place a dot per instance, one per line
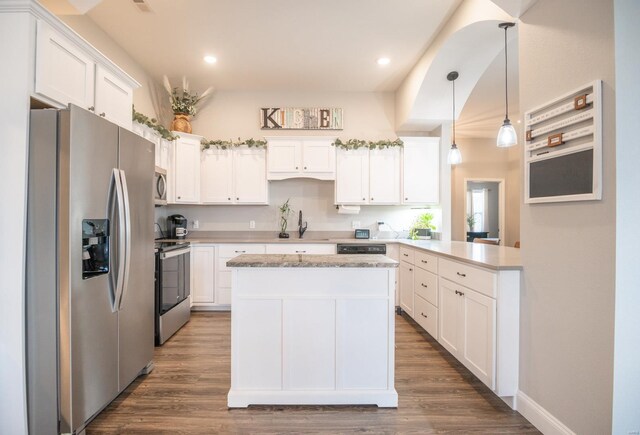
(285, 212)
(471, 221)
(184, 104)
(422, 227)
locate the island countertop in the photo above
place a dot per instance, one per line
(310, 260)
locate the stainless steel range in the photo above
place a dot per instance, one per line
(173, 277)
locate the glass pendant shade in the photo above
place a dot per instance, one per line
(454, 156)
(507, 135)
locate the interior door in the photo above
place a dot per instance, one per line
(136, 315)
(88, 324)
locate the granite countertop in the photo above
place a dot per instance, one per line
(335, 260)
(487, 256)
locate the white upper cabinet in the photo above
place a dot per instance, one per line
(366, 176)
(68, 70)
(421, 170)
(384, 176)
(64, 72)
(352, 176)
(250, 176)
(187, 169)
(294, 157)
(216, 177)
(113, 98)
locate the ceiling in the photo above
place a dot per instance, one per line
(294, 45)
(277, 45)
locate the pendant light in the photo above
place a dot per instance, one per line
(454, 156)
(507, 135)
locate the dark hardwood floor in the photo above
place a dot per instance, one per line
(187, 394)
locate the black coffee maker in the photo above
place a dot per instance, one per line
(177, 226)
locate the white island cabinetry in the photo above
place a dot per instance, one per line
(326, 330)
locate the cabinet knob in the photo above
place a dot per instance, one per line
(371, 198)
(406, 199)
(179, 197)
(237, 199)
(410, 270)
(103, 114)
(305, 167)
(364, 199)
(424, 315)
(461, 274)
(297, 167)
(91, 109)
(229, 199)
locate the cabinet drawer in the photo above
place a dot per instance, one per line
(480, 280)
(406, 254)
(426, 315)
(426, 261)
(426, 285)
(230, 251)
(296, 248)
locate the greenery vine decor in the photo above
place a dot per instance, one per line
(354, 144)
(152, 123)
(422, 222)
(227, 144)
(182, 101)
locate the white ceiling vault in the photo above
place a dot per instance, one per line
(306, 45)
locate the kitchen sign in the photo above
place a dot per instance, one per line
(298, 118)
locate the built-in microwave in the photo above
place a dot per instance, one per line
(160, 187)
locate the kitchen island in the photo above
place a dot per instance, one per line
(312, 330)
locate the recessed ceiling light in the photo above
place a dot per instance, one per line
(210, 59)
(383, 61)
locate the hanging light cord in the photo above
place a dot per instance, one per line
(506, 89)
(453, 117)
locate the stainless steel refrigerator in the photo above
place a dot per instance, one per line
(90, 266)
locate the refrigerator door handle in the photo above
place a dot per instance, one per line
(116, 280)
(127, 238)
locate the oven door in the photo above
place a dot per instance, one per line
(160, 187)
(174, 273)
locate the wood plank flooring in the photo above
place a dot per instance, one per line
(187, 394)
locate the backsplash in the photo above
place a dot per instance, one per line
(313, 197)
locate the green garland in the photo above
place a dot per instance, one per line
(153, 124)
(226, 144)
(354, 144)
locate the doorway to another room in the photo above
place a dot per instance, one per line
(484, 209)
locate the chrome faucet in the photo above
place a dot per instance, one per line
(301, 229)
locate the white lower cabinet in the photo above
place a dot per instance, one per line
(223, 274)
(467, 328)
(406, 287)
(203, 260)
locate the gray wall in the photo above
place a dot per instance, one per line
(568, 249)
(626, 387)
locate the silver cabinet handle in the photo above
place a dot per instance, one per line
(364, 199)
(424, 285)
(424, 261)
(459, 293)
(424, 315)
(296, 167)
(406, 255)
(305, 167)
(301, 252)
(239, 252)
(461, 274)
(229, 199)
(406, 199)
(410, 270)
(237, 198)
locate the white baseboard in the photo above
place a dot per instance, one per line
(540, 417)
(210, 307)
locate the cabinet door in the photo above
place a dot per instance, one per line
(450, 317)
(421, 170)
(318, 156)
(384, 176)
(406, 287)
(352, 176)
(163, 159)
(216, 178)
(283, 158)
(203, 274)
(113, 98)
(250, 176)
(479, 313)
(187, 171)
(64, 73)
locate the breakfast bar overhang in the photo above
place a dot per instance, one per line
(312, 330)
